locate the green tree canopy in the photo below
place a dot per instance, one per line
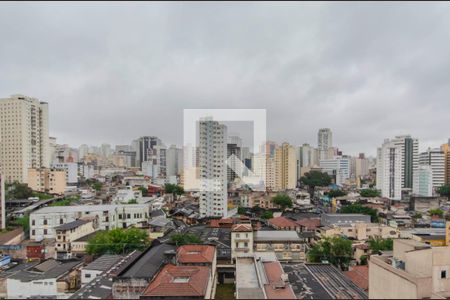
(118, 241)
(282, 200)
(436, 212)
(267, 215)
(18, 190)
(336, 250)
(315, 178)
(336, 193)
(185, 239)
(241, 210)
(444, 191)
(360, 209)
(370, 193)
(377, 244)
(173, 189)
(144, 191)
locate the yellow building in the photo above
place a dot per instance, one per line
(47, 180)
(285, 167)
(446, 149)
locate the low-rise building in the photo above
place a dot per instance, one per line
(282, 223)
(98, 267)
(47, 180)
(241, 240)
(339, 219)
(44, 220)
(287, 245)
(414, 270)
(358, 231)
(67, 233)
(51, 278)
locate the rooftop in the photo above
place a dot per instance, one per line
(104, 262)
(71, 225)
(179, 281)
(86, 208)
(359, 275)
(277, 235)
(196, 253)
(242, 228)
(282, 222)
(220, 237)
(276, 287)
(46, 270)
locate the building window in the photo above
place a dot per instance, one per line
(87, 275)
(61, 221)
(444, 274)
(45, 221)
(45, 231)
(33, 232)
(237, 235)
(33, 222)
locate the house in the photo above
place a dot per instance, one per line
(282, 223)
(359, 231)
(69, 232)
(78, 246)
(339, 219)
(359, 275)
(414, 270)
(180, 282)
(50, 278)
(308, 224)
(132, 280)
(98, 266)
(241, 240)
(261, 276)
(287, 245)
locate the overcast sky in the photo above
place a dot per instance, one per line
(113, 72)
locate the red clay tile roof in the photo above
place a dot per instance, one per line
(196, 278)
(216, 223)
(196, 253)
(273, 271)
(242, 228)
(310, 224)
(360, 276)
(282, 222)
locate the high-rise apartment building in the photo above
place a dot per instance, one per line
(435, 158)
(423, 184)
(397, 160)
(47, 180)
(213, 169)
(145, 145)
(446, 149)
(174, 161)
(2, 203)
(285, 167)
(234, 156)
(24, 140)
(338, 167)
(324, 143)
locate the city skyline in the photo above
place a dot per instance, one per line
(133, 73)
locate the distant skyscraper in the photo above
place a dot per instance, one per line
(285, 167)
(446, 149)
(338, 167)
(397, 160)
(146, 143)
(174, 161)
(234, 146)
(213, 169)
(24, 140)
(324, 143)
(435, 158)
(423, 184)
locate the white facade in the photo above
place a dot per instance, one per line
(339, 166)
(2, 203)
(397, 161)
(44, 220)
(213, 169)
(435, 158)
(174, 161)
(82, 151)
(71, 170)
(423, 181)
(86, 171)
(24, 136)
(324, 143)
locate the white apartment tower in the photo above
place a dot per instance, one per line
(397, 161)
(435, 158)
(324, 143)
(213, 168)
(24, 140)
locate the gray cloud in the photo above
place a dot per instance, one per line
(112, 72)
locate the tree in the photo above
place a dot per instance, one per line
(417, 215)
(24, 222)
(338, 251)
(336, 193)
(444, 191)
(184, 239)
(282, 200)
(370, 193)
(377, 244)
(117, 241)
(144, 191)
(241, 210)
(173, 189)
(436, 212)
(313, 179)
(359, 209)
(267, 215)
(18, 190)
